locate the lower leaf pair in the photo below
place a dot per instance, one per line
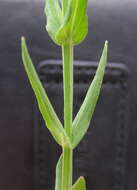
(79, 184)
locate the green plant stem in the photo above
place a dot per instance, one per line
(67, 54)
(67, 168)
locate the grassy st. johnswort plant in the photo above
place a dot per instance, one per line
(67, 25)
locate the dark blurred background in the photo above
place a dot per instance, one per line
(107, 156)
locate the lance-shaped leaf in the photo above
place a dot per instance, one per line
(74, 29)
(80, 184)
(54, 17)
(58, 174)
(52, 122)
(83, 117)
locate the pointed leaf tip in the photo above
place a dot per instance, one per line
(106, 43)
(80, 184)
(22, 38)
(23, 41)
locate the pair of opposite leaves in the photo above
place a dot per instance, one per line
(66, 27)
(82, 119)
(68, 24)
(79, 184)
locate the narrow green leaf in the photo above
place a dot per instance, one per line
(52, 122)
(80, 184)
(54, 17)
(79, 21)
(58, 174)
(75, 29)
(83, 117)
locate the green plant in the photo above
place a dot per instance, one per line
(67, 26)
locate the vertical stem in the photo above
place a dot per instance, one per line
(67, 52)
(67, 169)
(68, 87)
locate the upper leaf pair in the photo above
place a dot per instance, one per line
(67, 25)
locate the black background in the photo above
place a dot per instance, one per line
(19, 142)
